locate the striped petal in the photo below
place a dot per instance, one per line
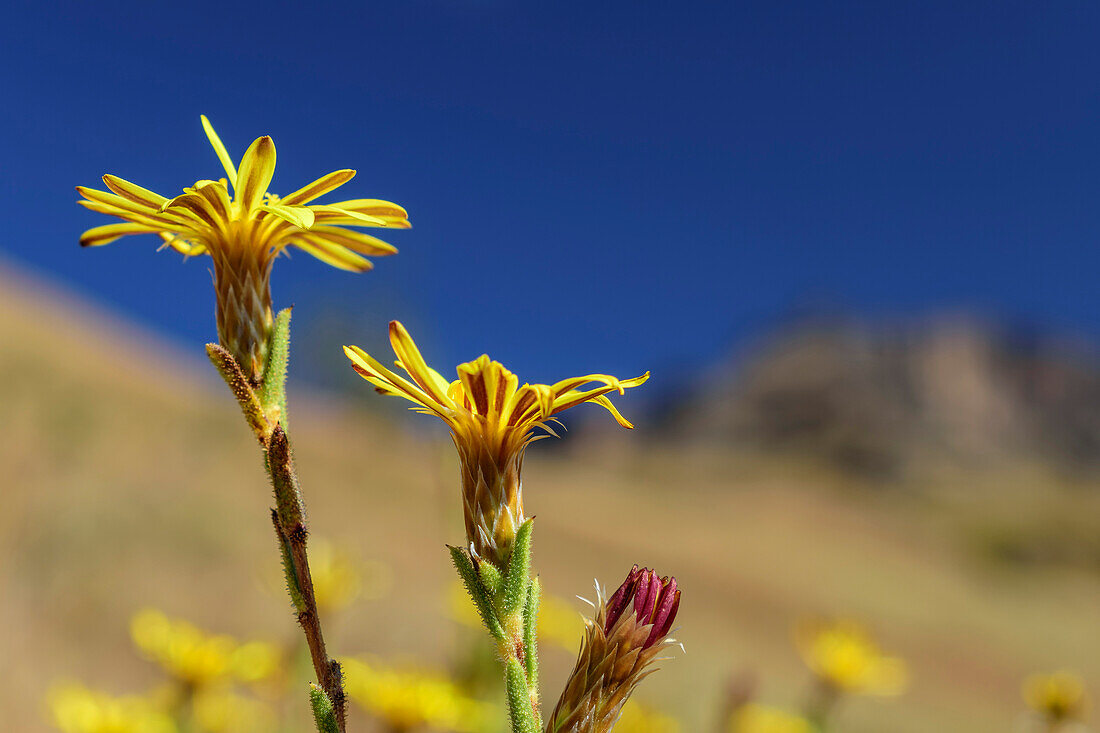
(320, 187)
(355, 241)
(219, 149)
(386, 381)
(133, 192)
(412, 361)
(489, 385)
(373, 207)
(196, 205)
(155, 220)
(334, 255)
(98, 236)
(331, 215)
(109, 203)
(257, 168)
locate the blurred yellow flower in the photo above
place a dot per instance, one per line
(756, 718)
(639, 718)
(1057, 696)
(223, 711)
(843, 656)
(76, 709)
(408, 698)
(559, 622)
(339, 578)
(196, 657)
(244, 233)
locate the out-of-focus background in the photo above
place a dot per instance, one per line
(856, 244)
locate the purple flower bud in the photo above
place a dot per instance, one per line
(653, 599)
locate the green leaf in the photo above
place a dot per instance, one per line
(530, 633)
(519, 569)
(519, 699)
(477, 592)
(273, 386)
(324, 714)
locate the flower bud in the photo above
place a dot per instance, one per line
(621, 642)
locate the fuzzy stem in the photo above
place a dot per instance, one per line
(263, 405)
(290, 526)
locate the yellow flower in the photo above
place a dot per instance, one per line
(76, 709)
(244, 233)
(222, 711)
(196, 657)
(843, 656)
(409, 698)
(1056, 696)
(492, 420)
(756, 718)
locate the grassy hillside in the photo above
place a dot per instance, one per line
(129, 480)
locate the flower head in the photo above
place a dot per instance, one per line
(621, 641)
(843, 656)
(77, 709)
(196, 657)
(410, 698)
(244, 232)
(492, 420)
(1057, 696)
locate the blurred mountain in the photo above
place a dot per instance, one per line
(882, 400)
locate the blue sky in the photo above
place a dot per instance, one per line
(593, 186)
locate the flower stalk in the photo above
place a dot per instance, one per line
(264, 409)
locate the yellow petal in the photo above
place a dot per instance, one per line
(320, 187)
(196, 205)
(489, 385)
(257, 168)
(151, 221)
(331, 215)
(382, 378)
(373, 207)
(109, 203)
(299, 216)
(565, 385)
(412, 361)
(135, 193)
(331, 254)
(216, 196)
(97, 236)
(219, 148)
(355, 241)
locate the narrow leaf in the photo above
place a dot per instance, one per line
(273, 387)
(519, 569)
(530, 634)
(477, 592)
